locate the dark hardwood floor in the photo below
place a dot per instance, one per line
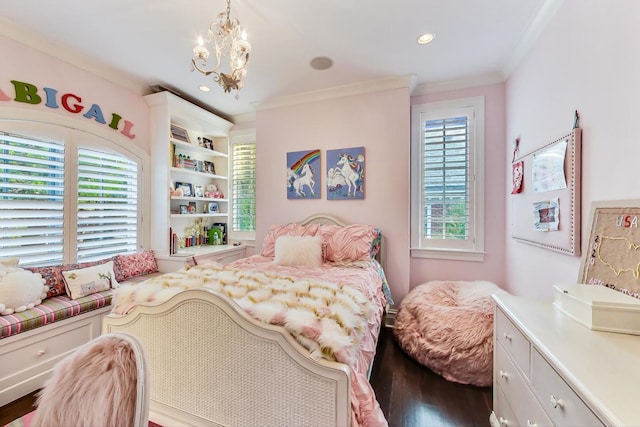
(410, 395)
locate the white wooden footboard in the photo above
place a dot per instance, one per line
(212, 364)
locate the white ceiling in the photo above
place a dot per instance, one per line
(143, 43)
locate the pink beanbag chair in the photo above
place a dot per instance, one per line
(448, 327)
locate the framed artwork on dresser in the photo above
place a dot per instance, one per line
(611, 255)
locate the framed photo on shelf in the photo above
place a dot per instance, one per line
(192, 207)
(186, 187)
(209, 167)
(180, 133)
(184, 209)
(199, 191)
(213, 207)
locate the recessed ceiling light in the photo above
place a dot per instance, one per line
(425, 38)
(204, 88)
(321, 63)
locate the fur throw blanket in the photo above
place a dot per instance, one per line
(448, 327)
(329, 319)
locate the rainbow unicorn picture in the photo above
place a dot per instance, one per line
(345, 174)
(303, 179)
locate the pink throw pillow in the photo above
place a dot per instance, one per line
(131, 265)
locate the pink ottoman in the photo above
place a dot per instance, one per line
(448, 327)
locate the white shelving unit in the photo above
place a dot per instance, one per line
(167, 109)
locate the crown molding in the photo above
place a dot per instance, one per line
(378, 85)
(37, 41)
(464, 83)
(526, 42)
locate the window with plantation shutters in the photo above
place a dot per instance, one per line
(31, 199)
(107, 205)
(243, 184)
(66, 196)
(447, 179)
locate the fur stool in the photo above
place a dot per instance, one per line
(448, 327)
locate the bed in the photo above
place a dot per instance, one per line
(223, 351)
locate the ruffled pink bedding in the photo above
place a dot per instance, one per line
(365, 408)
(362, 276)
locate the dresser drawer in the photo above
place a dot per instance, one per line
(521, 399)
(513, 341)
(504, 414)
(561, 402)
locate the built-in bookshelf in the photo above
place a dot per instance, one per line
(190, 180)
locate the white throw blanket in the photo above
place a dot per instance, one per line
(329, 319)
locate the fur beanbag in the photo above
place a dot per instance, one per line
(448, 327)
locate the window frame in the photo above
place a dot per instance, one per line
(243, 136)
(74, 136)
(468, 250)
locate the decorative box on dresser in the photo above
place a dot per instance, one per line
(194, 163)
(551, 370)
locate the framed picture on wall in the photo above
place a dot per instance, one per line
(345, 174)
(303, 179)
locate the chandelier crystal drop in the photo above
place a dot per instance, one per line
(227, 38)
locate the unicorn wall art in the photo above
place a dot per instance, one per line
(345, 173)
(303, 179)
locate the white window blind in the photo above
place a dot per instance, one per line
(243, 176)
(107, 205)
(446, 178)
(31, 200)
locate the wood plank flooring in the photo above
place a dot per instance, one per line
(410, 395)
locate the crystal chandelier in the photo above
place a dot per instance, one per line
(227, 38)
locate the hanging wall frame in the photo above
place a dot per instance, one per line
(546, 213)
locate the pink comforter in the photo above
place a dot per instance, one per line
(365, 409)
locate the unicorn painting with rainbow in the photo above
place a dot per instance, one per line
(301, 175)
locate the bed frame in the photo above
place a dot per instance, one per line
(231, 369)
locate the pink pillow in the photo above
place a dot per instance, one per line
(275, 231)
(348, 243)
(131, 265)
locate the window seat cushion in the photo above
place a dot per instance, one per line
(51, 310)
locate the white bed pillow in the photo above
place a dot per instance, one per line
(87, 281)
(298, 251)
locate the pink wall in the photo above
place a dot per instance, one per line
(492, 269)
(378, 121)
(25, 64)
(585, 60)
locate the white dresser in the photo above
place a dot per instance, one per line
(551, 370)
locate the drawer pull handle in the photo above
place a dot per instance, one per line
(508, 337)
(555, 402)
(504, 375)
(531, 424)
(40, 353)
(504, 422)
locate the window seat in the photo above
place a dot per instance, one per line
(34, 340)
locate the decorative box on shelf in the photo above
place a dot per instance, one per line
(598, 307)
